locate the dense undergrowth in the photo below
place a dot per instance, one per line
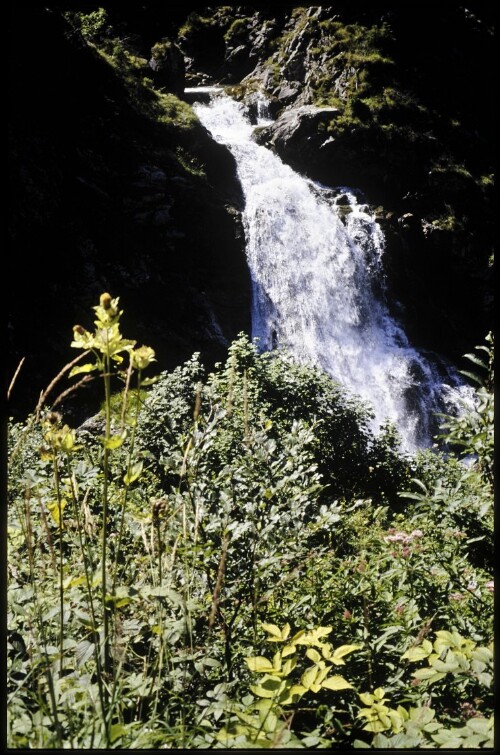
(234, 560)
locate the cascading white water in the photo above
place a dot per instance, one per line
(318, 281)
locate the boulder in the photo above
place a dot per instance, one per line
(167, 64)
(298, 133)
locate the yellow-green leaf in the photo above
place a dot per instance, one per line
(312, 637)
(133, 473)
(261, 691)
(342, 651)
(309, 676)
(417, 653)
(375, 726)
(292, 695)
(82, 368)
(336, 683)
(56, 510)
(289, 665)
(297, 637)
(273, 630)
(259, 664)
(366, 698)
(115, 441)
(313, 655)
(74, 581)
(116, 731)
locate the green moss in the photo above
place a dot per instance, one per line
(237, 28)
(172, 111)
(194, 22)
(161, 49)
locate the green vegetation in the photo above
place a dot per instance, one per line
(164, 110)
(202, 539)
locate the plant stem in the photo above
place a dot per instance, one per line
(86, 561)
(61, 563)
(104, 543)
(125, 495)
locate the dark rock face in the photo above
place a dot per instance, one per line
(106, 198)
(298, 134)
(167, 64)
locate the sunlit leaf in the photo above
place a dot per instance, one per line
(115, 441)
(336, 683)
(313, 655)
(79, 368)
(56, 510)
(133, 473)
(259, 664)
(309, 676)
(274, 631)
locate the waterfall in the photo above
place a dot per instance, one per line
(316, 261)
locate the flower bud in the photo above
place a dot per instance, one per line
(105, 300)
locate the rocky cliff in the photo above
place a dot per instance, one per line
(115, 185)
(395, 101)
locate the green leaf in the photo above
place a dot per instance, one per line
(259, 664)
(270, 686)
(366, 698)
(336, 683)
(149, 381)
(84, 650)
(82, 368)
(115, 441)
(313, 655)
(288, 666)
(482, 654)
(376, 726)
(116, 731)
(448, 740)
(309, 676)
(480, 725)
(418, 653)
(342, 651)
(292, 695)
(261, 691)
(57, 510)
(133, 473)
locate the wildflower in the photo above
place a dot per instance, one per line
(490, 585)
(406, 552)
(400, 609)
(347, 614)
(398, 537)
(142, 356)
(458, 596)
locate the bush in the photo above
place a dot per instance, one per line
(197, 510)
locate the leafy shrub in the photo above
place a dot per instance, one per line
(198, 509)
